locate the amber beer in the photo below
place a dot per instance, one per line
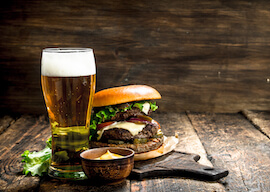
(68, 82)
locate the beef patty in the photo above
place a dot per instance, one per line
(148, 131)
(120, 116)
(152, 144)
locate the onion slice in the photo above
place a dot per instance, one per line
(141, 119)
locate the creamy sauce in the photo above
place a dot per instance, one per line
(108, 155)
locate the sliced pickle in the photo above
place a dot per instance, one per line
(158, 135)
(118, 142)
(140, 140)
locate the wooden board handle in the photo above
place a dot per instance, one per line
(177, 164)
(202, 172)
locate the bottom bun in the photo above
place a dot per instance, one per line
(150, 154)
(151, 145)
(169, 144)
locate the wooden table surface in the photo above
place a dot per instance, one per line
(238, 142)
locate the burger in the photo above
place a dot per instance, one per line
(121, 118)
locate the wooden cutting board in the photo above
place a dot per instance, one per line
(176, 164)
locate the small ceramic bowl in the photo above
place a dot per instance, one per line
(111, 170)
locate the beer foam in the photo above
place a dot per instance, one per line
(59, 62)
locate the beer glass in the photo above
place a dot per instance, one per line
(68, 78)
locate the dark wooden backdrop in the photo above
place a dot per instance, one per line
(211, 55)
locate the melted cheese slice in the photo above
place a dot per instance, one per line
(133, 128)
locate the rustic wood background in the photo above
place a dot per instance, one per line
(211, 55)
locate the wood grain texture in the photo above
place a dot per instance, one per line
(230, 141)
(5, 122)
(26, 133)
(189, 142)
(200, 55)
(184, 130)
(238, 146)
(31, 132)
(260, 119)
(63, 186)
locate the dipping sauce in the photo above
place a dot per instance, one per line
(108, 155)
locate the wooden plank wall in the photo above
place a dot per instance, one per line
(201, 55)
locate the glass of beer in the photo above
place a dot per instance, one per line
(68, 79)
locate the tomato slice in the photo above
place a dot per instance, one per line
(102, 125)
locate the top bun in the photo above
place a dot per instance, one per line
(124, 94)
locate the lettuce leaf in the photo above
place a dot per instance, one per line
(153, 106)
(139, 105)
(103, 115)
(37, 163)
